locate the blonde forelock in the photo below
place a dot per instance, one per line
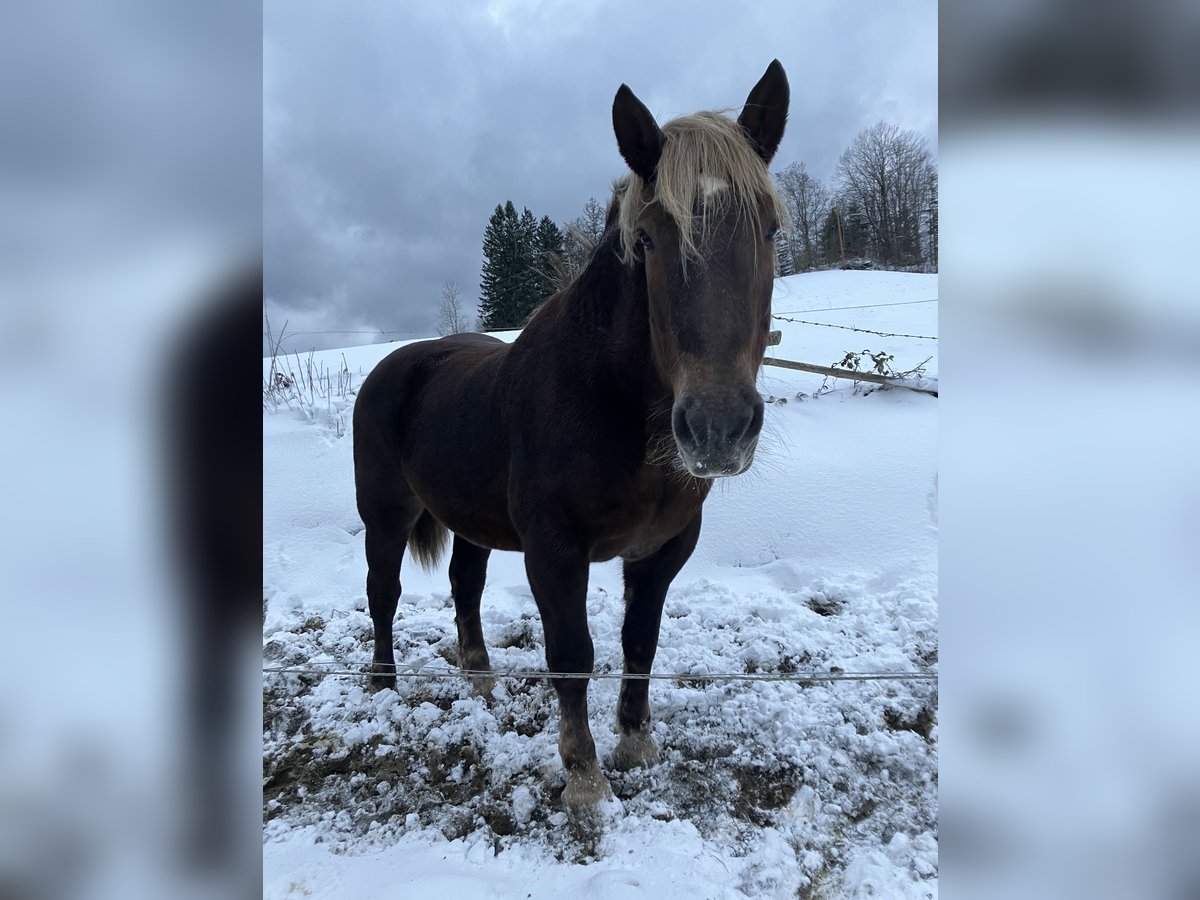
(700, 151)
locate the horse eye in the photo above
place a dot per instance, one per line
(644, 240)
(772, 232)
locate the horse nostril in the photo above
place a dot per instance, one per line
(701, 428)
(679, 422)
(738, 422)
(756, 418)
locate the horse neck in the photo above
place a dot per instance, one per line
(610, 313)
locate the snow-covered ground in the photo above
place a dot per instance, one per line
(823, 555)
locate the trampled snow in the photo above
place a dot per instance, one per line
(824, 555)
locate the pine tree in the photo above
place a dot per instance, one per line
(508, 285)
(518, 267)
(497, 297)
(830, 242)
(528, 282)
(856, 231)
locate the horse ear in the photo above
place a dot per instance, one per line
(639, 138)
(765, 112)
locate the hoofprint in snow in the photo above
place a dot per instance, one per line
(822, 556)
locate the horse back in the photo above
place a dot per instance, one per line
(427, 424)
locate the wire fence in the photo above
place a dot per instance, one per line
(380, 332)
(790, 312)
(923, 337)
(435, 673)
(375, 331)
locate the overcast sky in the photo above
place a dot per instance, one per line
(392, 129)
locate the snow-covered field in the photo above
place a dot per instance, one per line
(824, 555)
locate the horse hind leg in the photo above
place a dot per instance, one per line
(387, 534)
(468, 572)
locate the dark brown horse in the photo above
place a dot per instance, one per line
(598, 432)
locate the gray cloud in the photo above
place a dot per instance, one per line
(392, 130)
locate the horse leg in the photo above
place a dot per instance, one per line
(386, 537)
(468, 571)
(558, 578)
(646, 583)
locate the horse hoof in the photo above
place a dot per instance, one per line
(586, 787)
(635, 748)
(480, 667)
(383, 675)
(483, 684)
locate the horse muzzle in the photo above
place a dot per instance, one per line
(717, 435)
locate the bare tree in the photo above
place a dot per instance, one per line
(451, 319)
(591, 223)
(808, 202)
(581, 235)
(889, 173)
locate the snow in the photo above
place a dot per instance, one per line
(823, 555)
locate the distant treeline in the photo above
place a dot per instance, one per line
(881, 206)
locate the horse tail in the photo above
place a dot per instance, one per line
(428, 541)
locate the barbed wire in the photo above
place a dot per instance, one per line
(789, 312)
(380, 331)
(284, 337)
(924, 337)
(433, 673)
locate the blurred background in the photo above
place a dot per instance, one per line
(130, 231)
(1068, 482)
(130, 222)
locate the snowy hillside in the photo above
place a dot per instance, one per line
(823, 556)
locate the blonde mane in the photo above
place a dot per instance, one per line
(700, 152)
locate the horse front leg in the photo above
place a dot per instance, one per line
(558, 577)
(646, 583)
